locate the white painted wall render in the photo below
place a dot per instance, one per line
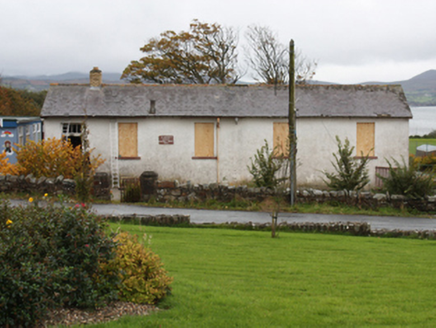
(238, 142)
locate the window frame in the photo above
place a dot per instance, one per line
(71, 130)
(71, 126)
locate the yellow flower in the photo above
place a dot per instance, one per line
(45, 195)
(30, 199)
(8, 222)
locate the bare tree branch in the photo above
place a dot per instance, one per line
(270, 59)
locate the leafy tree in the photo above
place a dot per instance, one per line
(37, 97)
(20, 102)
(407, 180)
(432, 134)
(270, 59)
(351, 174)
(204, 54)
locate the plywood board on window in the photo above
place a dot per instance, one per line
(280, 137)
(365, 139)
(128, 139)
(204, 139)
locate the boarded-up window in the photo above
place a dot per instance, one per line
(128, 139)
(365, 139)
(204, 139)
(281, 139)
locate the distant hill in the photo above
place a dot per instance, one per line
(42, 82)
(420, 90)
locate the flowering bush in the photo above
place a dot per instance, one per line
(52, 256)
(143, 279)
(53, 157)
(425, 163)
(6, 167)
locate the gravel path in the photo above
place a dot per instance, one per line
(113, 311)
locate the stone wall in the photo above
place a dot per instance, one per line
(153, 220)
(59, 185)
(168, 191)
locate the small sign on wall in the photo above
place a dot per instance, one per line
(166, 140)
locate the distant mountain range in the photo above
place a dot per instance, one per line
(42, 82)
(420, 90)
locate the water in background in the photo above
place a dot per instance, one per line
(424, 120)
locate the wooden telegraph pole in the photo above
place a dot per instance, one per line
(292, 126)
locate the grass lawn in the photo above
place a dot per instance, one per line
(413, 143)
(229, 278)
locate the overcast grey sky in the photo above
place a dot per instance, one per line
(352, 40)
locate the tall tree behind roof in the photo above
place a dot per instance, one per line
(20, 102)
(203, 55)
(270, 59)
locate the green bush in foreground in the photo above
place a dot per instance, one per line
(143, 279)
(52, 257)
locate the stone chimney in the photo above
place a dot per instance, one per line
(95, 78)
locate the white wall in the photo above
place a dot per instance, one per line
(317, 141)
(238, 141)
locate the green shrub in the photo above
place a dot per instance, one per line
(84, 183)
(51, 257)
(265, 167)
(143, 279)
(351, 174)
(408, 181)
(132, 192)
(25, 284)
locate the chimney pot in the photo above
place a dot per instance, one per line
(95, 78)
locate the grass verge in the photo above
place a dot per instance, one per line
(229, 278)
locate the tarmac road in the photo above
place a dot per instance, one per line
(209, 216)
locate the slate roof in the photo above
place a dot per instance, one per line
(225, 101)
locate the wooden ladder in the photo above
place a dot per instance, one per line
(115, 174)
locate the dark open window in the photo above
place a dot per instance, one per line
(73, 133)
